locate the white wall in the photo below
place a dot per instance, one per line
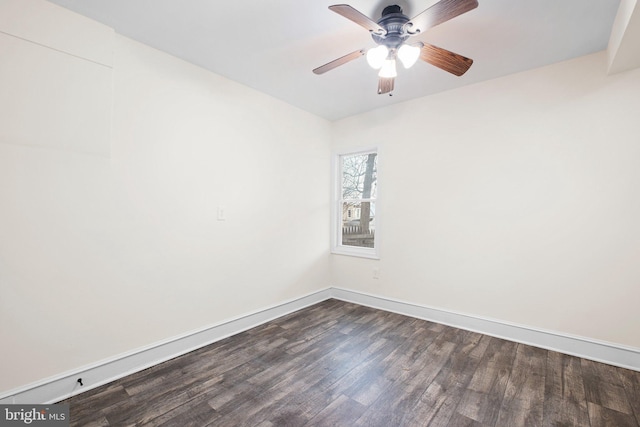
(515, 199)
(54, 75)
(105, 252)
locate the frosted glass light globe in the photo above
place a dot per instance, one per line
(376, 56)
(408, 55)
(388, 70)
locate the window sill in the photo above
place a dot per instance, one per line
(359, 253)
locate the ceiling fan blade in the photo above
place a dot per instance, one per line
(340, 61)
(444, 59)
(441, 12)
(357, 17)
(385, 84)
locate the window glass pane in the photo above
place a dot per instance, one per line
(359, 228)
(359, 176)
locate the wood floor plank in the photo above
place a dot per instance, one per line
(522, 404)
(194, 413)
(437, 406)
(342, 364)
(411, 370)
(343, 355)
(631, 383)
(96, 422)
(565, 403)
(459, 420)
(342, 411)
(333, 380)
(93, 406)
(605, 417)
(603, 386)
(315, 394)
(483, 397)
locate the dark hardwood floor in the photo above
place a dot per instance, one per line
(341, 364)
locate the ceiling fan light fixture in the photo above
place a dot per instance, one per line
(388, 69)
(376, 56)
(393, 30)
(408, 55)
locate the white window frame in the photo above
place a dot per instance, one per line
(336, 207)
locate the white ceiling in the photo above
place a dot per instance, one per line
(272, 45)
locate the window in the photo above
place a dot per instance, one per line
(355, 204)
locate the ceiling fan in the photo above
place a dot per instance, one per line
(391, 33)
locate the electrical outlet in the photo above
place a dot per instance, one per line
(376, 273)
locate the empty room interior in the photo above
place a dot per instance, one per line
(201, 224)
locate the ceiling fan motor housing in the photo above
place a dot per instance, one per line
(394, 22)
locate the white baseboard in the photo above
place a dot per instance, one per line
(587, 348)
(65, 385)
